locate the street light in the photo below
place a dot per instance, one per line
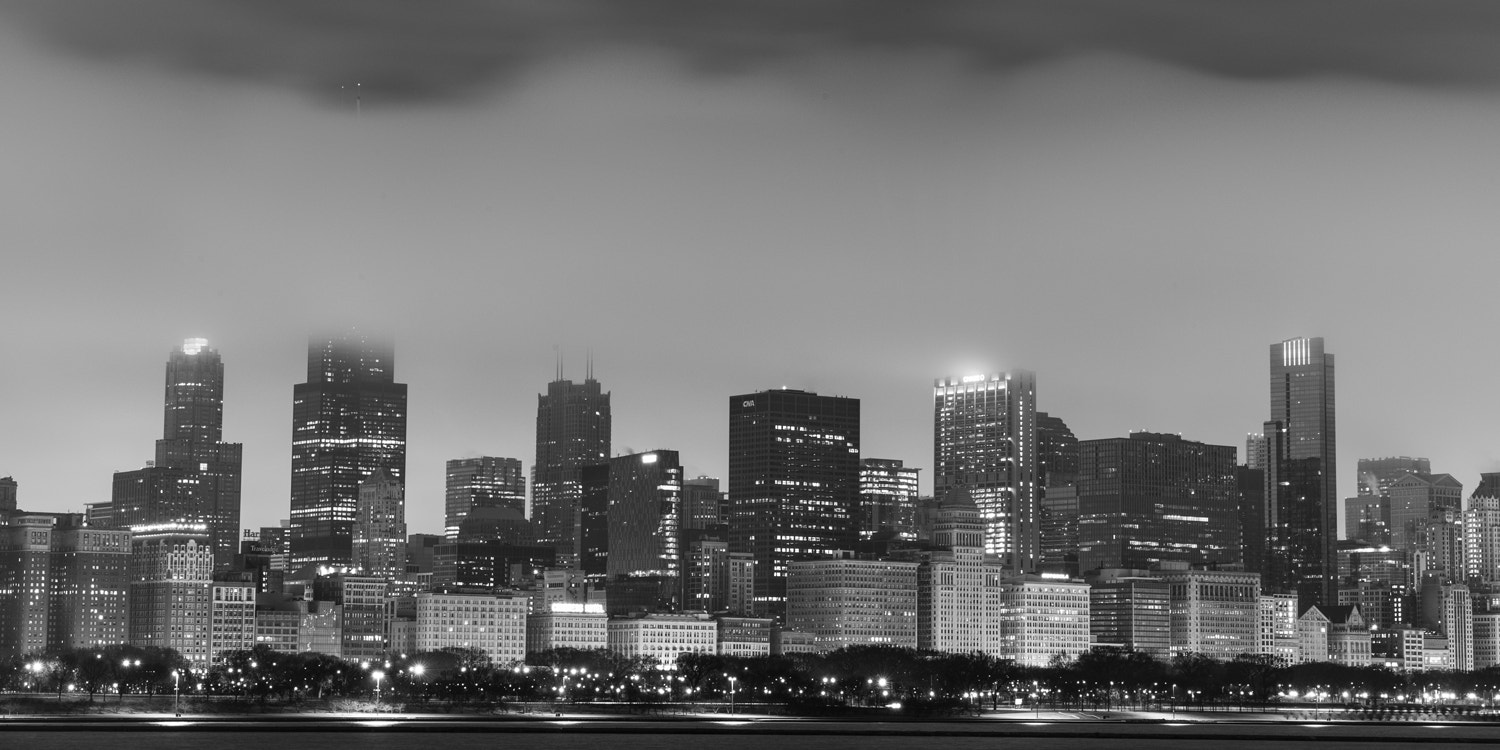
(378, 675)
(177, 692)
(732, 680)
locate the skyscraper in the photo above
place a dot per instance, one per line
(1302, 491)
(793, 483)
(572, 431)
(482, 482)
(887, 498)
(380, 526)
(644, 532)
(348, 422)
(1153, 497)
(7, 494)
(196, 476)
(985, 446)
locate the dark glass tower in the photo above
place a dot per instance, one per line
(481, 482)
(196, 476)
(1301, 488)
(793, 483)
(348, 422)
(572, 431)
(1153, 497)
(985, 447)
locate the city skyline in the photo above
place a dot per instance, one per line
(850, 204)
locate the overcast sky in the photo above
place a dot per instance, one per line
(1133, 200)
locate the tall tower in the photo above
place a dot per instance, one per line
(572, 431)
(196, 475)
(1302, 493)
(481, 482)
(985, 447)
(348, 422)
(793, 483)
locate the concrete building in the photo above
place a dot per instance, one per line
(1044, 618)
(745, 636)
(1481, 524)
(1413, 499)
(567, 625)
(663, 637)
(847, 602)
(493, 623)
(1214, 612)
(231, 618)
(171, 596)
(1279, 638)
(1486, 640)
(89, 574)
(960, 591)
(380, 525)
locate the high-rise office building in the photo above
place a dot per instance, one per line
(1255, 450)
(887, 499)
(985, 447)
(793, 483)
(171, 581)
(1153, 497)
(1302, 492)
(572, 431)
(195, 477)
(1482, 533)
(643, 532)
(7, 494)
(1413, 498)
(348, 422)
(702, 504)
(380, 526)
(1376, 475)
(482, 482)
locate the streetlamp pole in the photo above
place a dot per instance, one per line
(732, 680)
(177, 692)
(378, 675)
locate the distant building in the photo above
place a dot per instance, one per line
(960, 591)
(1153, 497)
(8, 491)
(348, 422)
(1413, 497)
(481, 482)
(231, 618)
(663, 637)
(1278, 628)
(1044, 618)
(567, 625)
(171, 596)
(1213, 612)
(1130, 608)
(985, 449)
(887, 499)
(745, 636)
(702, 504)
(793, 483)
(1302, 491)
(847, 602)
(494, 624)
(572, 431)
(379, 546)
(1482, 535)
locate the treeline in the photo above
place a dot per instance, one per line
(857, 676)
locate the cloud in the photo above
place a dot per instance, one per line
(444, 50)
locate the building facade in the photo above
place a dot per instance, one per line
(793, 483)
(847, 602)
(348, 423)
(985, 448)
(1301, 507)
(572, 431)
(481, 482)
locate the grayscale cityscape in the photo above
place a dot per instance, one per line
(859, 372)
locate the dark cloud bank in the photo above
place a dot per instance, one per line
(434, 50)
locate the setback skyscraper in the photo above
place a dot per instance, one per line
(196, 476)
(985, 447)
(348, 422)
(1301, 488)
(572, 431)
(793, 483)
